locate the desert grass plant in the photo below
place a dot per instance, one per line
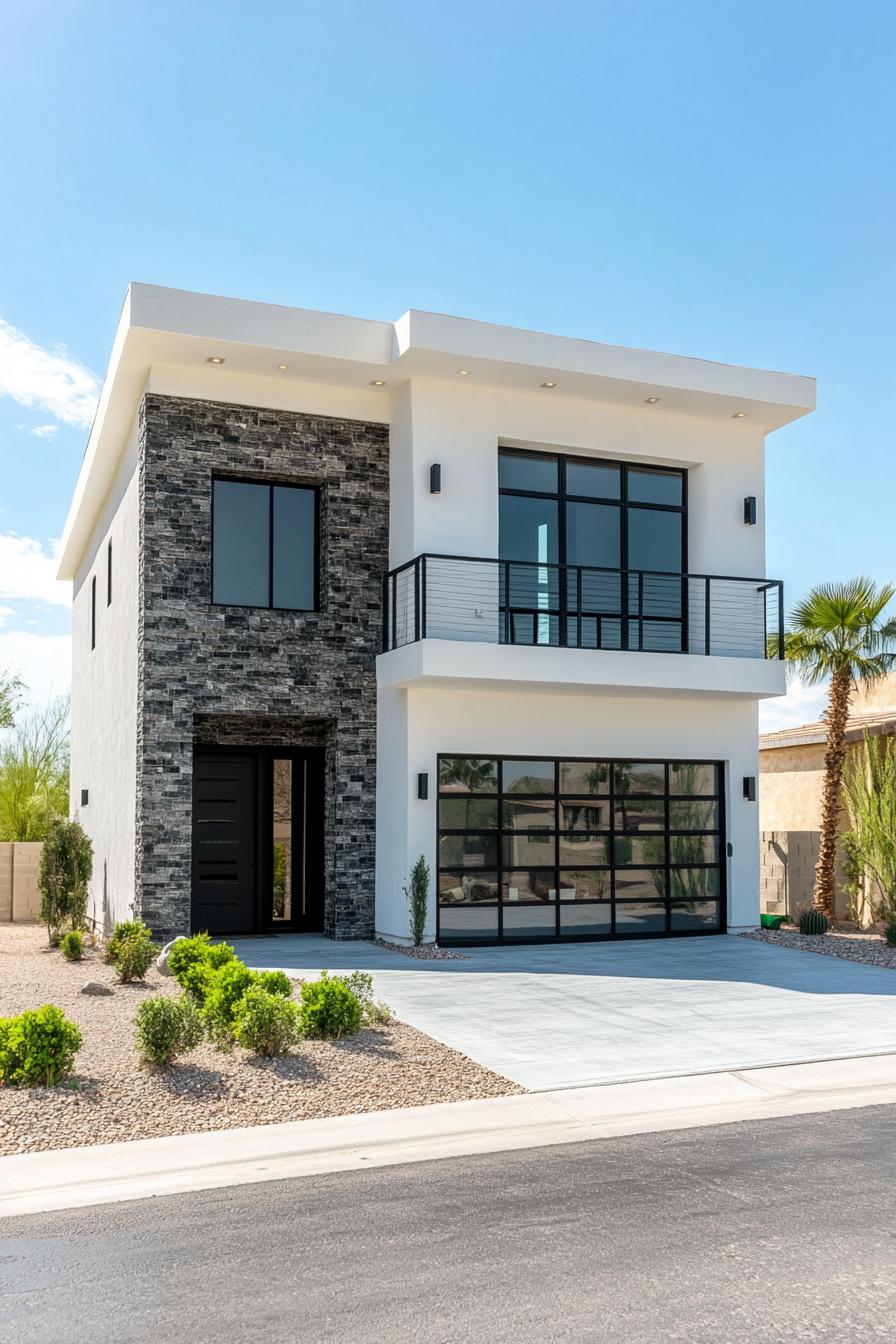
(869, 789)
(329, 1009)
(66, 866)
(166, 1028)
(838, 632)
(38, 1047)
(418, 896)
(266, 1023)
(131, 950)
(71, 945)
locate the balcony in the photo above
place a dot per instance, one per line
(525, 603)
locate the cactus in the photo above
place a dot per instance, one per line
(812, 921)
(890, 931)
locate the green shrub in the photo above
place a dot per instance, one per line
(812, 921)
(134, 953)
(192, 960)
(167, 1028)
(38, 1047)
(226, 986)
(266, 1023)
(72, 945)
(360, 983)
(275, 982)
(125, 928)
(417, 897)
(66, 866)
(329, 1009)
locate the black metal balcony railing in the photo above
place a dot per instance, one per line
(581, 607)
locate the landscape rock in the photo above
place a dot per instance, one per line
(95, 987)
(162, 959)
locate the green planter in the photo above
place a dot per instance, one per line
(772, 921)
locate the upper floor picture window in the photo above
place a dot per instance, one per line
(264, 545)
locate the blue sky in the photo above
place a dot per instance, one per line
(711, 179)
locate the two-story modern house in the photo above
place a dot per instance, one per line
(348, 592)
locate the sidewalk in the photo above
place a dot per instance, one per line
(74, 1177)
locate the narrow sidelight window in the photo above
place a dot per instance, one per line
(93, 612)
(109, 574)
(264, 545)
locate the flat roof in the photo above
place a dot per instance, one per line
(160, 326)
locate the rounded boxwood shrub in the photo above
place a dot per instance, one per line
(275, 982)
(266, 1023)
(191, 961)
(360, 983)
(226, 986)
(329, 1009)
(72, 945)
(37, 1047)
(125, 928)
(167, 1028)
(134, 953)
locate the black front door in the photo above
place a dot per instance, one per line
(258, 823)
(225, 843)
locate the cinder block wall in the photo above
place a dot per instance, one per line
(787, 873)
(19, 896)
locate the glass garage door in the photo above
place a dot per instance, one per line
(536, 849)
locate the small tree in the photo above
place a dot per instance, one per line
(418, 898)
(66, 866)
(10, 690)
(34, 771)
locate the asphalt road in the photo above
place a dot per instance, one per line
(783, 1230)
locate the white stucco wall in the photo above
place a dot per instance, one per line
(104, 697)
(417, 724)
(461, 426)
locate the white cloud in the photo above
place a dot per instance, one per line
(54, 381)
(42, 661)
(43, 431)
(28, 572)
(802, 704)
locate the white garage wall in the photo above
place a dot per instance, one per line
(416, 725)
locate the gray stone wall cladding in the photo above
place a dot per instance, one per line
(211, 673)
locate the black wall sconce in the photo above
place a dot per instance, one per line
(423, 785)
(435, 478)
(84, 797)
(750, 788)
(750, 510)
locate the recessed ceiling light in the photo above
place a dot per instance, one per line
(462, 373)
(547, 383)
(215, 359)
(282, 367)
(377, 382)
(652, 401)
(739, 415)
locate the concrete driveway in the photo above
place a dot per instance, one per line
(552, 1016)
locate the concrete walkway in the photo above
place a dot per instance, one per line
(70, 1178)
(588, 1013)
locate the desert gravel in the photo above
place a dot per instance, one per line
(425, 951)
(111, 1097)
(870, 948)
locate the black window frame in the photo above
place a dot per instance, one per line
(611, 797)
(271, 485)
(109, 573)
(564, 612)
(93, 613)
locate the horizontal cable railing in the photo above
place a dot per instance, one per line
(581, 606)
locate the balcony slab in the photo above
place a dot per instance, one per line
(458, 663)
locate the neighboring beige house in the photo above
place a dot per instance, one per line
(791, 766)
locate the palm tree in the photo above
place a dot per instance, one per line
(837, 632)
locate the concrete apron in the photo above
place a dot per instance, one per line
(110, 1173)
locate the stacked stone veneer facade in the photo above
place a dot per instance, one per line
(246, 676)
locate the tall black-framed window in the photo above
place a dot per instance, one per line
(533, 849)
(93, 612)
(109, 573)
(589, 543)
(265, 545)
